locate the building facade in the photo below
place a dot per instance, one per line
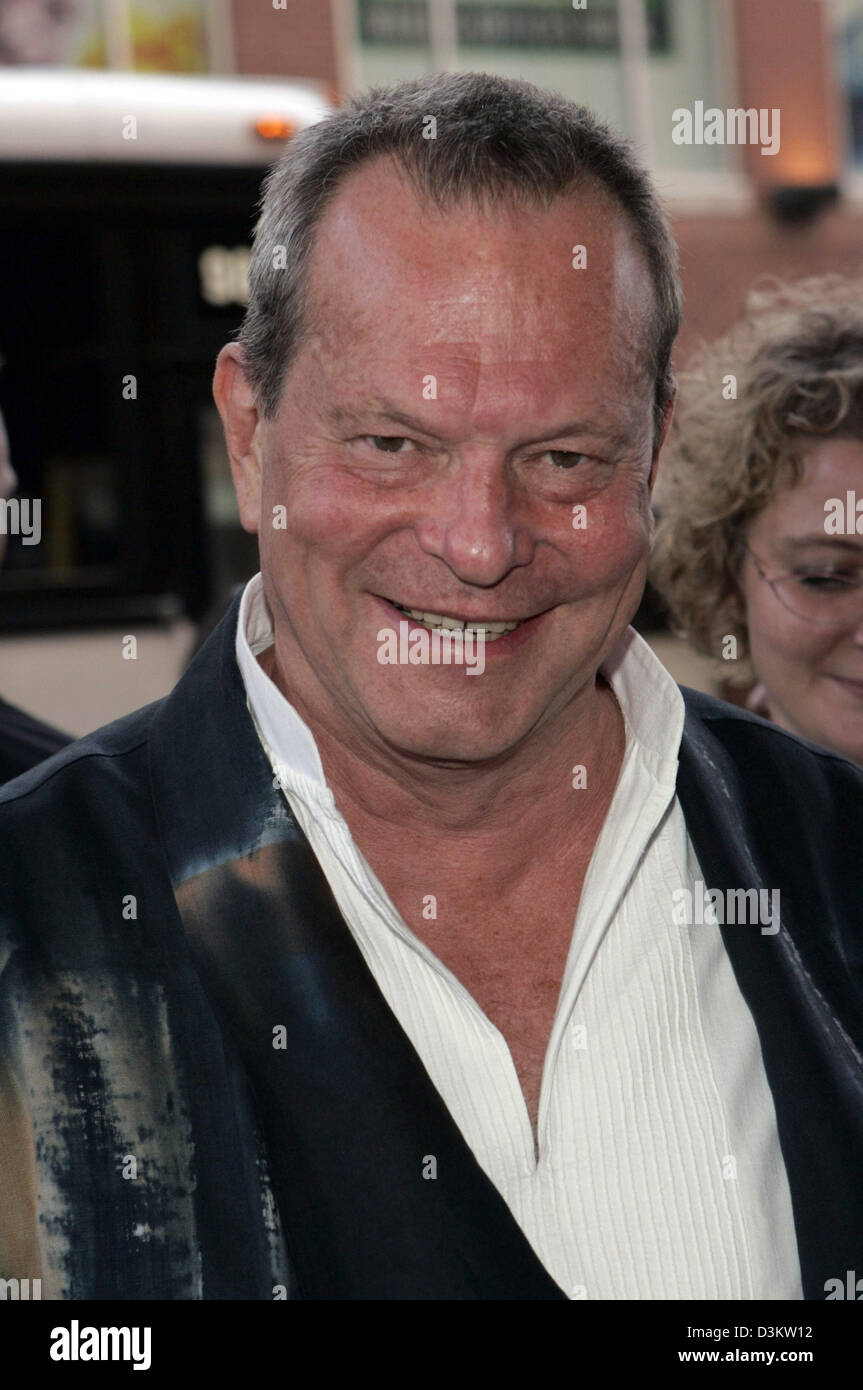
(749, 113)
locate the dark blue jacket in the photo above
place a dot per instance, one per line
(161, 913)
(25, 741)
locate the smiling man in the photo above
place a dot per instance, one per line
(466, 519)
(374, 970)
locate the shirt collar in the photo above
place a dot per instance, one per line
(651, 703)
(649, 699)
(286, 737)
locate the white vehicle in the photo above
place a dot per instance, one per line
(126, 208)
(49, 114)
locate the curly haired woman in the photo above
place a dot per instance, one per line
(759, 548)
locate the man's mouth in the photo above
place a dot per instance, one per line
(492, 630)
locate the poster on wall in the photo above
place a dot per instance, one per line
(160, 35)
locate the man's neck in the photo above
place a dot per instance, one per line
(503, 809)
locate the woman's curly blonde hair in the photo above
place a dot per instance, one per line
(797, 359)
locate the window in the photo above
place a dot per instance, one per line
(849, 32)
(569, 50)
(112, 312)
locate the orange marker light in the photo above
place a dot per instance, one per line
(273, 128)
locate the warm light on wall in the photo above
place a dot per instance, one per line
(804, 180)
(804, 176)
(804, 161)
(787, 67)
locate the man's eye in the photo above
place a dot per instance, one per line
(388, 443)
(564, 458)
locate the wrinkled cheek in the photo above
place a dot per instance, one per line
(325, 510)
(609, 554)
(297, 526)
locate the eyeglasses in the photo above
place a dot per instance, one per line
(827, 600)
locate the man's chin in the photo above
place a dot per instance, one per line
(443, 743)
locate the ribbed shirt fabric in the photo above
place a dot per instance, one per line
(659, 1174)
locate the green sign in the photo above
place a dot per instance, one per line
(593, 28)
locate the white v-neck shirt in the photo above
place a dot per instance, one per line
(660, 1173)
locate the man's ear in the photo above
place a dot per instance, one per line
(242, 422)
(664, 427)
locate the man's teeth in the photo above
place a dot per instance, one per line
(492, 631)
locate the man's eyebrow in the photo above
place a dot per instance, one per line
(347, 415)
(619, 437)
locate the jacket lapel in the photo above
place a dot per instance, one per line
(792, 982)
(379, 1195)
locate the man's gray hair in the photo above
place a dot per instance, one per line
(497, 139)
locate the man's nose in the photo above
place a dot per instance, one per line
(476, 523)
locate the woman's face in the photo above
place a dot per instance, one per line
(813, 675)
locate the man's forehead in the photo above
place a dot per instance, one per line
(515, 336)
(472, 306)
(568, 410)
(589, 375)
(378, 240)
